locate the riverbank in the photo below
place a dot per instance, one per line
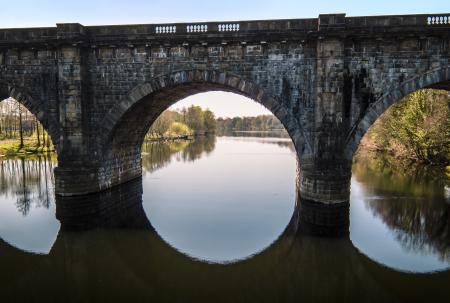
(11, 148)
(394, 151)
(389, 162)
(164, 138)
(168, 138)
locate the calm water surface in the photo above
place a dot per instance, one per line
(215, 220)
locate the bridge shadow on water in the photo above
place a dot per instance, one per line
(114, 254)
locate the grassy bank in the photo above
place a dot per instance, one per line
(11, 147)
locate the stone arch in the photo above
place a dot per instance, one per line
(121, 132)
(165, 90)
(35, 106)
(437, 78)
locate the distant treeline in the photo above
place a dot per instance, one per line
(258, 123)
(188, 121)
(194, 120)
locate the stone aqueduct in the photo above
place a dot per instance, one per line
(97, 89)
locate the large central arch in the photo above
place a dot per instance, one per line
(123, 128)
(150, 99)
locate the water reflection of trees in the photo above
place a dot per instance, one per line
(259, 134)
(390, 175)
(156, 155)
(278, 137)
(29, 181)
(419, 225)
(410, 201)
(281, 143)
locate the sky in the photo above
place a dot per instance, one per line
(25, 13)
(224, 104)
(39, 13)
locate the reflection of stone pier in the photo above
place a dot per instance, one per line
(119, 207)
(323, 196)
(321, 219)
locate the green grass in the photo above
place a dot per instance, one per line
(11, 147)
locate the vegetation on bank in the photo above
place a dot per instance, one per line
(258, 123)
(20, 131)
(416, 129)
(196, 121)
(189, 121)
(13, 147)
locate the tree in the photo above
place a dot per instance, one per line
(194, 119)
(163, 122)
(16, 122)
(20, 125)
(178, 129)
(417, 127)
(209, 121)
(37, 133)
(258, 123)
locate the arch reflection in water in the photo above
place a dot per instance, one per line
(127, 259)
(379, 239)
(234, 201)
(398, 222)
(400, 218)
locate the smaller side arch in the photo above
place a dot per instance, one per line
(437, 78)
(35, 106)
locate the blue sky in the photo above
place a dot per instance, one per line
(28, 13)
(89, 12)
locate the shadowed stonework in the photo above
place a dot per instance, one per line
(97, 89)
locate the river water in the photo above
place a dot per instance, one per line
(215, 219)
